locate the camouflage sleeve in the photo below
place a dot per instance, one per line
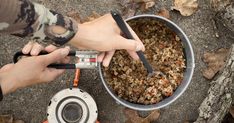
(23, 18)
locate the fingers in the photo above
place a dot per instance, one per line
(107, 58)
(133, 54)
(101, 57)
(33, 48)
(135, 37)
(50, 48)
(27, 48)
(133, 45)
(36, 49)
(51, 74)
(66, 60)
(128, 44)
(56, 56)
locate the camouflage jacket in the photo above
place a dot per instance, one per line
(24, 18)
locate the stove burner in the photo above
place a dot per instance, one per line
(72, 112)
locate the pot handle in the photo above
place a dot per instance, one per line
(57, 66)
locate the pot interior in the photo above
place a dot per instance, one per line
(189, 56)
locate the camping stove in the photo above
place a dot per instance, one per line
(72, 106)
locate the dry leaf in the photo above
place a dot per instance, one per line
(232, 111)
(18, 121)
(129, 13)
(133, 117)
(6, 119)
(75, 15)
(146, 5)
(131, 6)
(215, 62)
(152, 117)
(93, 16)
(129, 10)
(164, 13)
(186, 7)
(9, 119)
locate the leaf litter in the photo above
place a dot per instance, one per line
(133, 117)
(186, 7)
(215, 62)
(164, 13)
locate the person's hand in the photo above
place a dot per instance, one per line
(32, 70)
(103, 34)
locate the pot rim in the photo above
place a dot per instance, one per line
(142, 107)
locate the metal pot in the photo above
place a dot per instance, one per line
(190, 65)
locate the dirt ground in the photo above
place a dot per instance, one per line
(29, 104)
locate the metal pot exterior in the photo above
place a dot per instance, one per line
(190, 65)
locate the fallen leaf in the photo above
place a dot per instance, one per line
(146, 5)
(130, 6)
(232, 111)
(18, 121)
(9, 119)
(93, 16)
(164, 13)
(6, 119)
(133, 117)
(129, 13)
(152, 117)
(186, 7)
(215, 62)
(75, 15)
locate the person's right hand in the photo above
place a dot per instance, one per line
(103, 34)
(31, 70)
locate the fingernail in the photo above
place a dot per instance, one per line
(64, 52)
(139, 47)
(67, 47)
(25, 50)
(34, 52)
(105, 64)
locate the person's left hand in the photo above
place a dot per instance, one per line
(32, 70)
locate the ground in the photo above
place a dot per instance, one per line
(29, 104)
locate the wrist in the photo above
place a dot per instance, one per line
(80, 35)
(7, 84)
(62, 33)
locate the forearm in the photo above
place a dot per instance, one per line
(24, 18)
